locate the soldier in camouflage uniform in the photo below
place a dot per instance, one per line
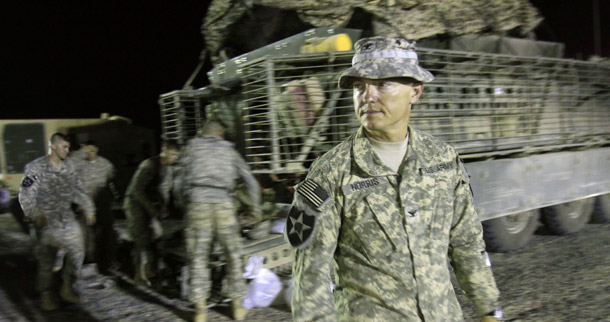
(97, 174)
(387, 210)
(210, 168)
(146, 201)
(47, 191)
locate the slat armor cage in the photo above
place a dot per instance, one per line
(288, 110)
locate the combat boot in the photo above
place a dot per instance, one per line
(48, 301)
(149, 270)
(201, 311)
(239, 312)
(68, 294)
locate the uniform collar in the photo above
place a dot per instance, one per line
(367, 161)
(50, 166)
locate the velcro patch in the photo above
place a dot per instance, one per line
(27, 182)
(313, 193)
(362, 185)
(300, 227)
(439, 167)
(466, 175)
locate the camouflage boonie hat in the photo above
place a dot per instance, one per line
(381, 57)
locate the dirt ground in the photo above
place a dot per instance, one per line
(555, 278)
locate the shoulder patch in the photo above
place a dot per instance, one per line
(466, 175)
(27, 182)
(300, 226)
(313, 193)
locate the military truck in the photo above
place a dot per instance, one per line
(533, 128)
(25, 140)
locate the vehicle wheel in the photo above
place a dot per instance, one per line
(569, 217)
(511, 232)
(601, 210)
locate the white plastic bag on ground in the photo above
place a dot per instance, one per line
(264, 287)
(285, 296)
(255, 264)
(277, 226)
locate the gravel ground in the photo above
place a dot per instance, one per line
(555, 278)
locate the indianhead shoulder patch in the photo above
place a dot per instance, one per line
(301, 222)
(300, 227)
(27, 182)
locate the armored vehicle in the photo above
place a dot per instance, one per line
(533, 128)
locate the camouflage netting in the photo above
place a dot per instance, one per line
(412, 19)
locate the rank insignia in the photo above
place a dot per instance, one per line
(300, 227)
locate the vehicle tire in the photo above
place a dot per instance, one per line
(510, 232)
(569, 217)
(601, 210)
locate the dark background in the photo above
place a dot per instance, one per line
(64, 59)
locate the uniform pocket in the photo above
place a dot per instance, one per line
(442, 207)
(373, 240)
(380, 229)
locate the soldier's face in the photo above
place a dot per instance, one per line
(90, 152)
(383, 106)
(61, 149)
(170, 155)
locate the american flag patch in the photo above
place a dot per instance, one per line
(313, 193)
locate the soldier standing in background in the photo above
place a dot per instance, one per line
(387, 209)
(210, 168)
(146, 202)
(47, 191)
(97, 174)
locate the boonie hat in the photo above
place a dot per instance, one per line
(381, 57)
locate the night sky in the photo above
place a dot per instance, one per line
(82, 58)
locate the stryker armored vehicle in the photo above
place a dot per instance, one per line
(532, 128)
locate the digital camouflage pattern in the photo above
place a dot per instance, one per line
(146, 185)
(410, 19)
(207, 222)
(51, 191)
(95, 174)
(210, 168)
(144, 200)
(380, 57)
(219, 16)
(389, 238)
(68, 238)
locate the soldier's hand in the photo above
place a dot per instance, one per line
(157, 230)
(489, 319)
(90, 219)
(40, 221)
